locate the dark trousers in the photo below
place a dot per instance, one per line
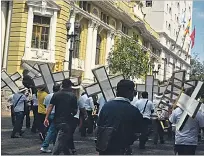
(185, 149)
(74, 126)
(18, 123)
(64, 135)
(87, 126)
(157, 131)
(13, 118)
(145, 132)
(41, 127)
(27, 115)
(35, 120)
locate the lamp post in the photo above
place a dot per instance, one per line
(72, 38)
(155, 72)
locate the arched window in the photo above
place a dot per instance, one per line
(98, 50)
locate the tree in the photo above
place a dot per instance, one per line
(128, 58)
(197, 73)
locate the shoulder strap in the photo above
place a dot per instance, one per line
(145, 107)
(17, 101)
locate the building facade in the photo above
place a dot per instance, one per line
(170, 19)
(36, 32)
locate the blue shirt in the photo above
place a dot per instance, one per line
(19, 107)
(47, 102)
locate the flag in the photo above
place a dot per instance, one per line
(188, 27)
(183, 18)
(193, 38)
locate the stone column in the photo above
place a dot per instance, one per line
(88, 62)
(28, 33)
(6, 43)
(71, 20)
(108, 46)
(93, 54)
(3, 27)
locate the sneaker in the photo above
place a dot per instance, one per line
(44, 150)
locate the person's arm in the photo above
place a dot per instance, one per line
(74, 105)
(49, 110)
(172, 118)
(200, 118)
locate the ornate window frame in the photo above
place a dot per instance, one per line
(45, 8)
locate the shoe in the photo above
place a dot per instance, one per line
(42, 137)
(13, 136)
(73, 151)
(44, 150)
(21, 133)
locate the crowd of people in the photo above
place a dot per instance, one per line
(116, 123)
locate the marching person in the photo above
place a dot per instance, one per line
(186, 140)
(146, 108)
(134, 99)
(19, 102)
(81, 110)
(157, 128)
(101, 102)
(65, 102)
(41, 94)
(51, 133)
(118, 122)
(87, 125)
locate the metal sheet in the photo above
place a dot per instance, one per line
(30, 68)
(140, 87)
(149, 86)
(47, 76)
(2, 84)
(16, 76)
(9, 82)
(92, 89)
(66, 74)
(58, 76)
(38, 81)
(104, 83)
(114, 80)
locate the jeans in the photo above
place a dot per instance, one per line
(185, 149)
(74, 125)
(51, 133)
(64, 136)
(41, 127)
(18, 123)
(13, 118)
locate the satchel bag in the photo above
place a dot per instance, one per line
(104, 136)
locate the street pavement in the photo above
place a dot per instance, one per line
(30, 143)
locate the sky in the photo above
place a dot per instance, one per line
(198, 22)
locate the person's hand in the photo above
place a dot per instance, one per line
(46, 122)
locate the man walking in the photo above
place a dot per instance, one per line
(118, 122)
(19, 102)
(51, 133)
(146, 108)
(65, 103)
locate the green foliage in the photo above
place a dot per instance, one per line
(128, 58)
(197, 73)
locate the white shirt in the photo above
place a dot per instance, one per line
(101, 102)
(87, 102)
(80, 105)
(133, 102)
(10, 99)
(189, 134)
(19, 107)
(140, 104)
